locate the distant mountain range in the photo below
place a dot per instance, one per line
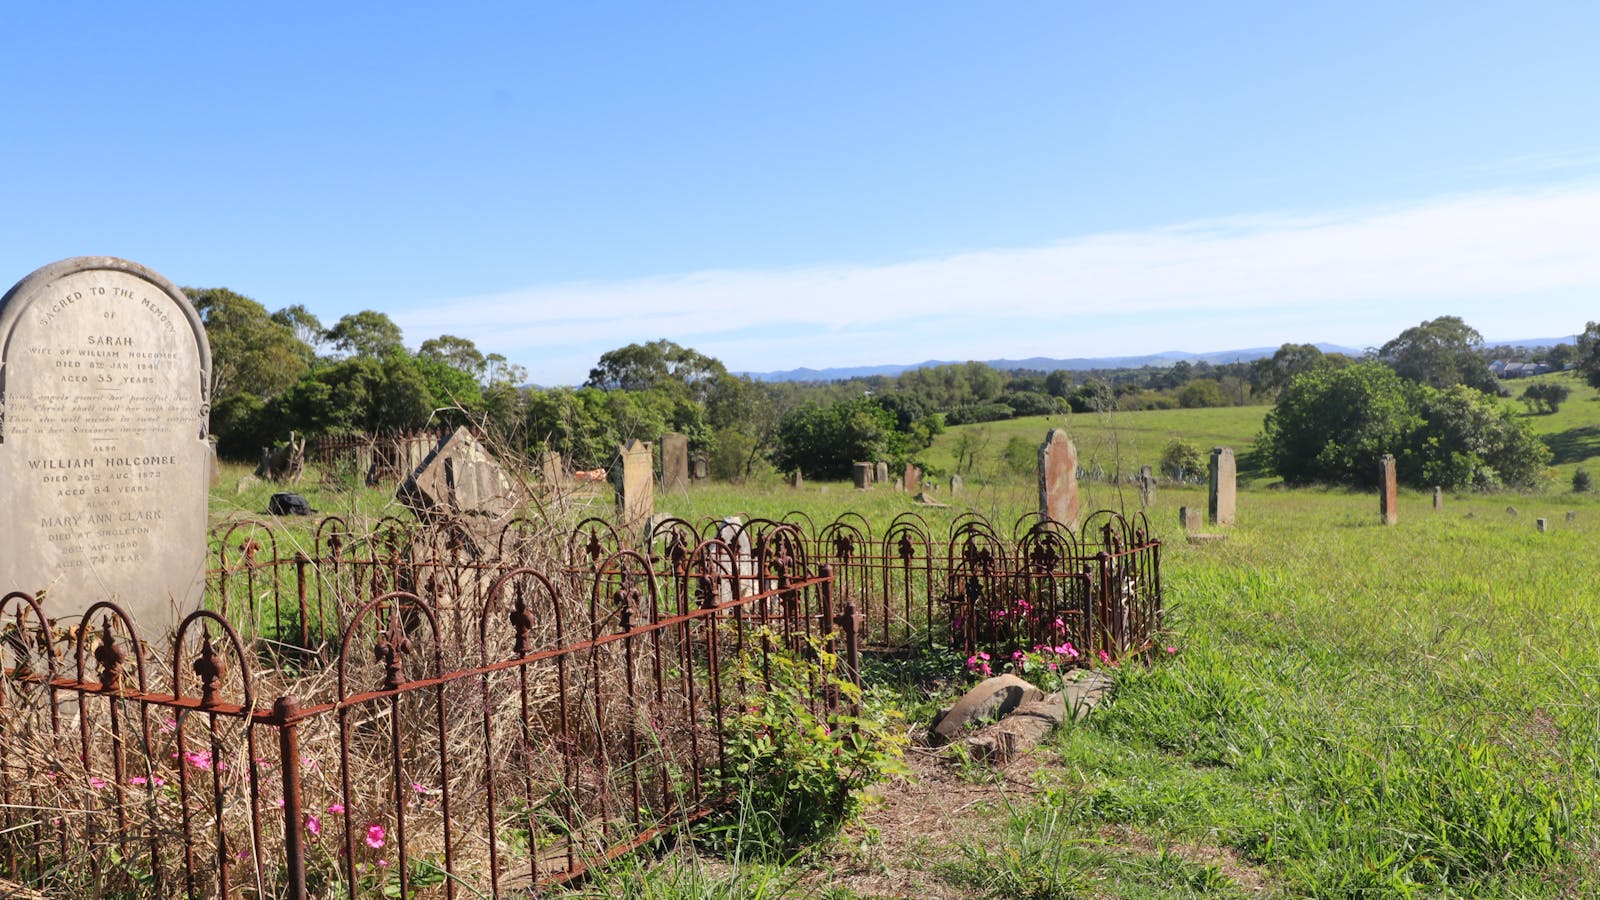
(1080, 364)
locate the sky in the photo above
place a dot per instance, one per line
(825, 184)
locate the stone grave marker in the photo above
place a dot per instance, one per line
(1190, 520)
(1438, 497)
(674, 461)
(699, 467)
(1058, 478)
(1147, 487)
(880, 473)
(1222, 493)
(911, 479)
(796, 480)
(636, 483)
(105, 376)
(1388, 497)
(461, 481)
(1542, 525)
(861, 472)
(1572, 515)
(956, 484)
(552, 470)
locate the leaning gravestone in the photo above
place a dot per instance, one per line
(1222, 494)
(911, 479)
(637, 483)
(674, 461)
(105, 377)
(461, 482)
(1388, 496)
(1058, 479)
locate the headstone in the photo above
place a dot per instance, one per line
(636, 483)
(105, 378)
(1147, 487)
(1542, 524)
(743, 568)
(1572, 515)
(461, 481)
(674, 461)
(861, 472)
(1388, 497)
(1190, 519)
(956, 484)
(880, 473)
(1058, 478)
(796, 480)
(1438, 497)
(552, 470)
(1511, 510)
(1221, 495)
(699, 467)
(911, 481)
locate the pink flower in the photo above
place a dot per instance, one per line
(313, 824)
(1171, 649)
(137, 779)
(335, 808)
(98, 783)
(375, 836)
(200, 759)
(417, 786)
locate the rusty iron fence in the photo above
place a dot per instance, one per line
(435, 712)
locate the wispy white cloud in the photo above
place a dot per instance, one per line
(1528, 260)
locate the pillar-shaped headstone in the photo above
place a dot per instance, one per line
(911, 480)
(105, 378)
(861, 472)
(1058, 478)
(1222, 493)
(880, 473)
(699, 468)
(1542, 525)
(1438, 497)
(637, 499)
(1147, 486)
(1388, 497)
(797, 480)
(674, 461)
(956, 484)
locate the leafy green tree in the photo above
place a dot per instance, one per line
(1588, 354)
(250, 353)
(457, 352)
(823, 441)
(656, 365)
(1467, 440)
(1545, 396)
(1182, 461)
(304, 323)
(1439, 353)
(1058, 383)
(1332, 425)
(1201, 393)
(367, 333)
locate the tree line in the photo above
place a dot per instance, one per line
(1427, 393)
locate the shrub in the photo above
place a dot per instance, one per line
(1182, 461)
(797, 769)
(1581, 482)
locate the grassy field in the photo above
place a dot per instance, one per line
(1351, 710)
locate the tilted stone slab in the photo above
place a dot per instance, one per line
(991, 699)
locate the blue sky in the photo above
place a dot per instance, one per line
(825, 184)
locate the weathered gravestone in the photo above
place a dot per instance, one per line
(1388, 496)
(1190, 519)
(880, 473)
(861, 472)
(636, 482)
(1542, 525)
(699, 468)
(956, 484)
(674, 461)
(911, 479)
(553, 470)
(1058, 478)
(1438, 497)
(1221, 495)
(796, 480)
(1147, 487)
(461, 482)
(105, 378)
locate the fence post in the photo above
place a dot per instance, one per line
(283, 712)
(1103, 592)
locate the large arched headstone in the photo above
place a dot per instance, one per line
(105, 378)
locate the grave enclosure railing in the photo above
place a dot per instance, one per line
(413, 711)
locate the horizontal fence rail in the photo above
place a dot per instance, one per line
(459, 711)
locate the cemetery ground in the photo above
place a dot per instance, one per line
(1348, 709)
